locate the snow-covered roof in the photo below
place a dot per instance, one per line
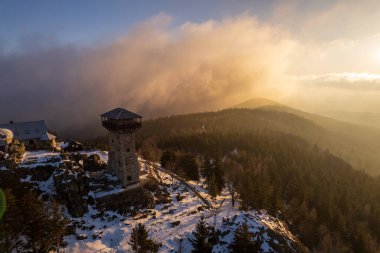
(28, 130)
(120, 113)
(47, 136)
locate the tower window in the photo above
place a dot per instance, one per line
(128, 150)
(111, 140)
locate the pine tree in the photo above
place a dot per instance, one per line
(140, 242)
(243, 241)
(35, 222)
(213, 186)
(219, 173)
(214, 175)
(11, 224)
(56, 226)
(207, 168)
(201, 242)
(180, 245)
(168, 159)
(189, 165)
(29, 219)
(232, 177)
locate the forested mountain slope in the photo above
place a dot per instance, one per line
(331, 205)
(371, 119)
(357, 144)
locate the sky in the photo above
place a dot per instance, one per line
(69, 61)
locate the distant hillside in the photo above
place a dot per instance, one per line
(361, 118)
(257, 103)
(357, 144)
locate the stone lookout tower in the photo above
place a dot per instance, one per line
(122, 158)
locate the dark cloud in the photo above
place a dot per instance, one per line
(155, 70)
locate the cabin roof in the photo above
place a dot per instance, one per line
(29, 130)
(120, 113)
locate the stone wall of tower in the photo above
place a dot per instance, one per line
(122, 157)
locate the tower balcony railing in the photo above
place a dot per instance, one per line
(121, 125)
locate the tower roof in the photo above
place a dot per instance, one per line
(120, 113)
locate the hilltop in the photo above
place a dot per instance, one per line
(173, 217)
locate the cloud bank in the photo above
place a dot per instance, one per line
(159, 68)
(364, 82)
(156, 69)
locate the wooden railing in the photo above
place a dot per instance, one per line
(121, 125)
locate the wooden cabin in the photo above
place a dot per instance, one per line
(33, 134)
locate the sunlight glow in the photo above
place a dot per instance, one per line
(377, 55)
(339, 77)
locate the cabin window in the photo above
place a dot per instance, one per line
(27, 132)
(129, 178)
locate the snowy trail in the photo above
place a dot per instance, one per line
(208, 204)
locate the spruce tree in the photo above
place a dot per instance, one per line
(207, 168)
(243, 241)
(56, 226)
(189, 165)
(219, 173)
(28, 218)
(11, 224)
(140, 242)
(168, 159)
(35, 222)
(201, 242)
(214, 175)
(213, 186)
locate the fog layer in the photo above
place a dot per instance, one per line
(156, 69)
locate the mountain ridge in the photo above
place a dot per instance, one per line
(356, 136)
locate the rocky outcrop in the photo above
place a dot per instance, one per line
(73, 187)
(128, 201)
(42, 173)
(93, 163)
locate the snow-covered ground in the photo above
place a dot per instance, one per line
(168, 223)
(33, 159)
